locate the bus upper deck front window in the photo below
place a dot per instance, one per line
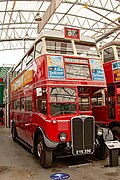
(62, 101)
(108, 54)
(85, 50)
(118, 51)
(59, 47)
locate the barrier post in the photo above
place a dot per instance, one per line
(113, 157)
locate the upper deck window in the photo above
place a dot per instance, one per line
(118, 51)
(17, 71)
(108, 54)
(59, 47)
(38, 49)
(24, 63)
(30, 56)
(85, 50)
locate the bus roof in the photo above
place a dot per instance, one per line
(60, 34)
(112, 43)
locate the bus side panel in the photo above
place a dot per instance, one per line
(51, 130)
(108, 72)
(39, 69)
(117, 113)
(20, 125)
(100, 113)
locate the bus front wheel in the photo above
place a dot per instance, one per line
(44, 155)
(101, 152)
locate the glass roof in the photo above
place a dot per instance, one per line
(96, 18)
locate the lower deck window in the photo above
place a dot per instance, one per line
(41, 105)
(41, 101)
(16, 104)
(84, 103)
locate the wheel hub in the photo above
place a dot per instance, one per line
(40, 149)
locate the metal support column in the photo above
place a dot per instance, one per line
(8, 100)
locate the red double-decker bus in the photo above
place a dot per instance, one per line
(51, 97)
(110, 109)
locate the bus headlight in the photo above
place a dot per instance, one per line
(100, 131)
(63, 136)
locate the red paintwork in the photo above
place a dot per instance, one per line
(1, 80)
(100, 113)
(108, 72)
(27, 122)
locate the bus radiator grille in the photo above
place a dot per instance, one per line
(82, 135)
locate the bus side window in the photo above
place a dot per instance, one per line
(108, 54)
(84, 102)
(118, 98)
(28, 103)
(30, 56)
(41, 102)
(41, 105)
(97, 101)
(118, 52)
(22, 103)
(38, 49)
(16, 104)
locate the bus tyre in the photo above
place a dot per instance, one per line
(116, 133)
(44, 155)
(14, 133)
(101, 152)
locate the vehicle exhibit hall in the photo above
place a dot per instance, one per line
(60, 89)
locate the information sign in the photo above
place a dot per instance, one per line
(113, 144)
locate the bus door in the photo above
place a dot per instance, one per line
(118, 103)
(84, 101)
(111, 102)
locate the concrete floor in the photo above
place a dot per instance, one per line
(16, 163)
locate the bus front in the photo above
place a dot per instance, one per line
(74, 72)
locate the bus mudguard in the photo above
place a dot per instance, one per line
(47, 142)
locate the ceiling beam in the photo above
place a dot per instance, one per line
(107, 34)
(25, 0)
(93, 6)
(49, 12)
(10, 17)
(17, 39)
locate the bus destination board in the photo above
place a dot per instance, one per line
(72, 33)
